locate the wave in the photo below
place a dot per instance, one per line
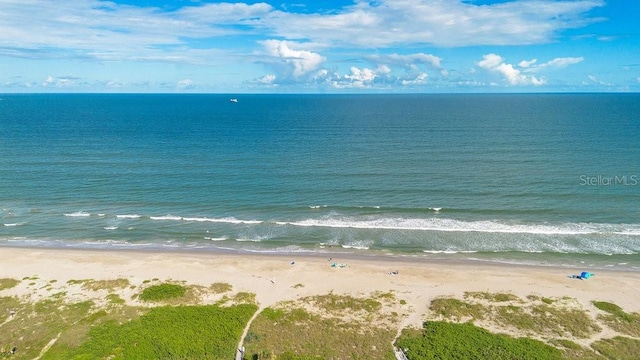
(128, 216)
(355, 247)
(450, 251)
(166, 217)
(230, 220)
(484, 226)
(13, 224)
(78, 214)
(215, 238)
(438, 221)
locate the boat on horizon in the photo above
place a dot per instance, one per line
(234, 100)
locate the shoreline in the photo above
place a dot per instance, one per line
(593, 262)
(274, 277)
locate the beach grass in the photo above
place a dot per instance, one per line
(446, 340)
(162, 292)
(102, 318)
(8, 283)
(165, 332)
(619, 320)
(327, 326)
(35, 324)
(618, 348)
(541, 317)
(110, 285)
(220, 287)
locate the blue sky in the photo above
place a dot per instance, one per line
(379, 46)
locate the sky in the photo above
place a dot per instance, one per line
(321, 46)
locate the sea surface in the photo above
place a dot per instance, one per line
(515, 178)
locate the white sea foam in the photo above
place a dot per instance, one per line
(128, 216)
(230, 220)
(449, 225)
(110, 227)
(166, 217)
(356, 247)
(78, 214)
(449, 251)
(215, 238)
(248, 240)
(13, 224)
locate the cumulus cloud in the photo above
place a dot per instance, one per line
(421, 79)
(495, 63)
(301, 62)
(360, 77)
(267, 79)
(60, 81)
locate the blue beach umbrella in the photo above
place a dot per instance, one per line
(586, 275)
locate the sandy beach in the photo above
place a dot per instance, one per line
(276, 278)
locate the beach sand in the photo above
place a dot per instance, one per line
(276, 278)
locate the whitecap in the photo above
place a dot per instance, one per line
(128, 216)
(166, 217)
(77, 214)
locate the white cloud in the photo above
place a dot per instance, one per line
(525, 63)
(360, 77)
(558, 63)
(111, 31)
(442, 23)
(267, 79)
(60, 82)
(495, 63)
(301, 61)
(185, 84)
(410, 60)
(421, 79)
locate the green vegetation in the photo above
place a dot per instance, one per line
(444, 340)
(617, 319)
(327, 326)
(115, 299)
(544, 319)
(574, 351)
(167, 332)
(162, 292)
(324, 327)
(450, 308)
(492, 297)
(8, 283)
(333, 303)
(619, 348)
(220, 288)
(110, 285)
(78, 282)
(34, 324)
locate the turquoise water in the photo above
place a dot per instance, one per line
(516, 178)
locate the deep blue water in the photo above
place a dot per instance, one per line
(522, 178)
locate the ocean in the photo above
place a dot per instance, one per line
(510, 178)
